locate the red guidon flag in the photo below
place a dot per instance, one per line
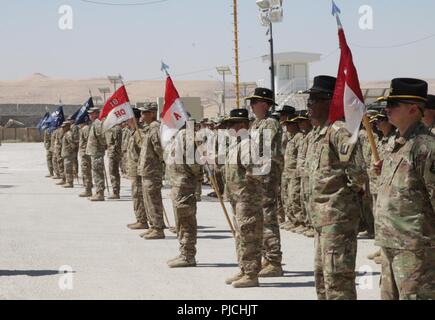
(116, 110)
(348, 100)
(174, 116)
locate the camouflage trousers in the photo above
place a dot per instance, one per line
(334, 261)
(138, 199)
(98, 173)
(249, 236)
(367, 219)
(60, 166)
(68, 169)
(304, 201)
(184, 204)
(50, 162)
(123, 164)
(55, 165)
(115, 178)
(283, 200)
(86, 168)
(152, 198)
(295, 203)
(198, 191)
(75, 165)
(219, 175)
(271, 234)
(408, 275)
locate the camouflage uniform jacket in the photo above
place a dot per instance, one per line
(241, 182)
(114, 142)
(58, 140)
(151, 154)
(405, 216)
(291, 155)
(52, 140)
(47, 140)
(68, 145)
(258, 128)
(96, 141)
(126, 133)
(133, 151)
(83, 139)
(180, 171)
(381, 146)
(302, 154)
(75, 131)
(335, 176)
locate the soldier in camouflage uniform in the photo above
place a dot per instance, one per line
(135, 140)
(243, 188)
(429, 113)
(261, 102)
(126, 133)
(49, 153)
(380, 121)
(85, 160)
(302, 215)
(335, 181)
(405, 218)
(96, 148)
(58, 155)
(150, 168)
(184, 177)
(292, 184)
(114, 154)
(75, 131)
(68, 153)
(285, 113)
(54, 159)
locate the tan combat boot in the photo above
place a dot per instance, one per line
(271, 270)
(60, 183)
(138, 226)
(246, 281)
(68, 185)
(181, 262)
(309, 233)
(373, 255)
(114, 196)
(99, 196)
(85, 194)
(235, 277)
(154, 234)
(378, 260)
(49, 175)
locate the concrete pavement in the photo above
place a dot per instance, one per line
(45, 228)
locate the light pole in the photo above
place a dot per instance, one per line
(224, 70)
(271, 11)
(104, 91)
(115, 80)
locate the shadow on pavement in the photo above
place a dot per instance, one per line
(5, 186)
(30, 273)
(287, 284)
(217, 265)
(214, 237)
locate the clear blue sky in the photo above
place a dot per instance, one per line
(193, 35)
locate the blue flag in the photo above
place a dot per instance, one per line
(56, 119)
(81, 115)
(42, 124)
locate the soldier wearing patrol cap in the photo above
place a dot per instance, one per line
(335, 181)
(95, 148)
(68, 154)
(85, 160)
(261, 101)
(150, 168)
(429, 113)
(405, 223)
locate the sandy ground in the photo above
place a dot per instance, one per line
(44, 228)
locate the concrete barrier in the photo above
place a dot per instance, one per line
(21, 135)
